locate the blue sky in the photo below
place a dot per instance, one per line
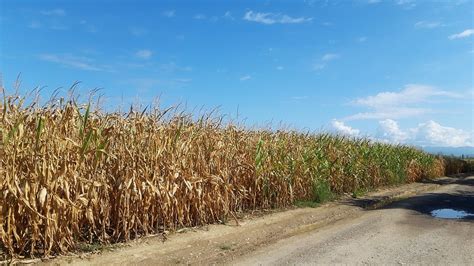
(394, 70)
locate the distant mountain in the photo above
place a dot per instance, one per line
(456, 151)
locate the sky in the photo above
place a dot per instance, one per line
(399, 71)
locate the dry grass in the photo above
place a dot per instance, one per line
(70, 174)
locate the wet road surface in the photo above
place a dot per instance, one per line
(404, 232)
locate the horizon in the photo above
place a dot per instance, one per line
(397, 71)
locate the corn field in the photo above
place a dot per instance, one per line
(70, 173)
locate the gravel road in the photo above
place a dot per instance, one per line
(401, 233)
(348, 231)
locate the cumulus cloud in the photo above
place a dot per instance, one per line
(400, 104)
(463, 34)
(344, 129)
(432, 133)
(144, 54)
(273, 18)
(411, 93)
(429, 133)
(390, 130)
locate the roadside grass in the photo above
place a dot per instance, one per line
(226, 247)
(359, 192)
(307, 204)
(90, 247)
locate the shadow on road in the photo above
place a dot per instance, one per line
(459, 179)
(461, 199)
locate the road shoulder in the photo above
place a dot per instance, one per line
(223, 243)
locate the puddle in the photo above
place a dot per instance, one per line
(450, 214)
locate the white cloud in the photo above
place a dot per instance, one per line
(228, 15)
(273, 18)
(299, 98)
(317, 67)
(91, 29)
(169, 13)
(34, 25)
(144, 54)
(324, 61)
(182, 80)
(59, 26)
(463, 34)
(88, 27)
(342, 128)
(135, 31)
(279, 67)
(390, 130)
(54, 12)
(173, 67)
(330, 57)
(82, 63)
(56, 25)
(199, 16)
(429, 133)
(246, 77)
(391, 112)
(401, 104)
(406, 3)
(428, 24)
(412, 93)
(143, 85)
(434, 134)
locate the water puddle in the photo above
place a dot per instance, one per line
(450, 214)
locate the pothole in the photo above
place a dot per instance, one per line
(450, 214)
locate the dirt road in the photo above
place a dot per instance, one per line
(348, 231)
(401, 233)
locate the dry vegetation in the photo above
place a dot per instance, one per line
(70, 174)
